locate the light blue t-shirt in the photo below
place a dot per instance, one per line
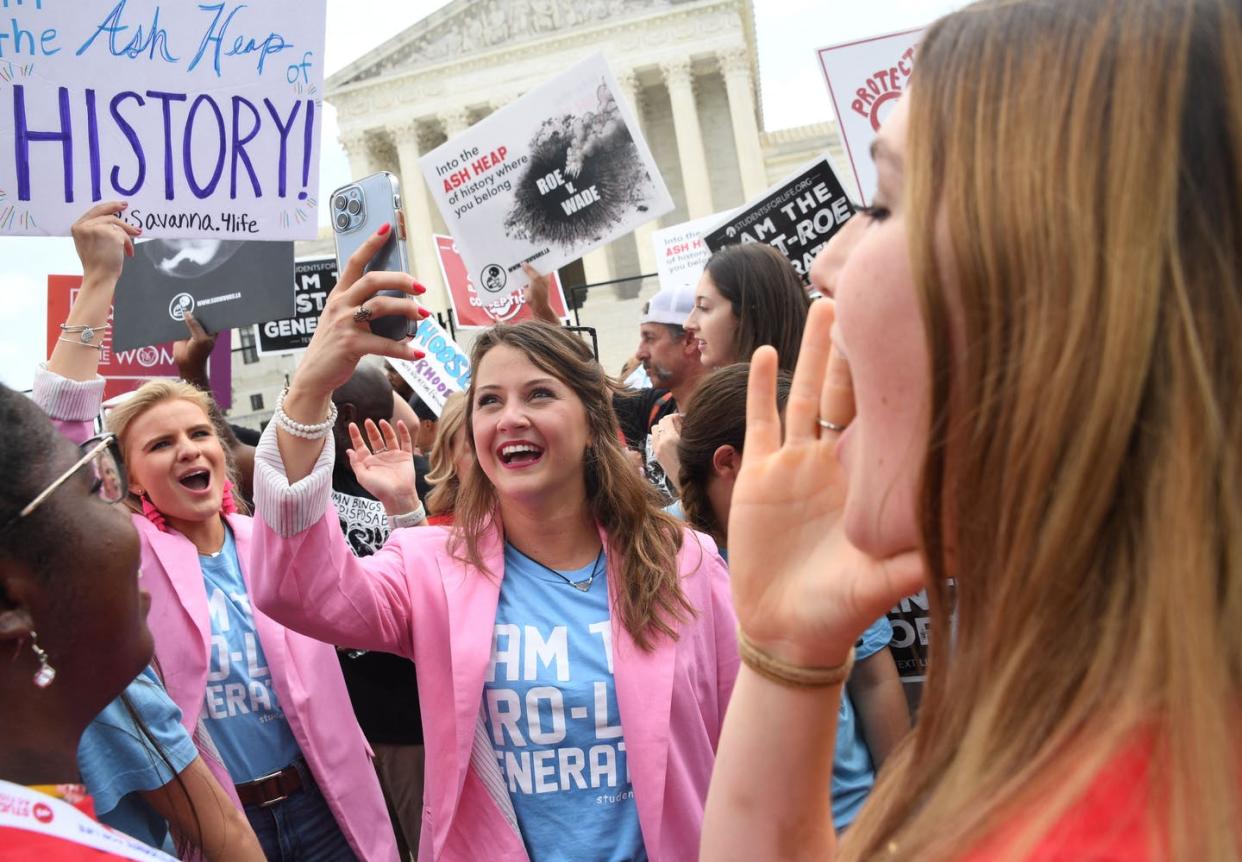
(550, 705)
(118, 761)
(241, 712)
(852, 769)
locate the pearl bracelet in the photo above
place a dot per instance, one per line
(316, 431)
(408, 519)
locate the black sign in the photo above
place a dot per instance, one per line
(313, 280)
(223, 283)
(796, 218)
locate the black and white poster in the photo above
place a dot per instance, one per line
(223, 283)
(313, 280)
(546, 179)
(795, 217)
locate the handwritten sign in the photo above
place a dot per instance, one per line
(444, 370)
(795, 217)
(471, 311)
(126, 370)
(205, 116)
(545, 179)
(865, 80)
(313, 280)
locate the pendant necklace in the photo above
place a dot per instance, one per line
(581, 586)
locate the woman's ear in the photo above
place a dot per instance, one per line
(15, 620)
(726, 462)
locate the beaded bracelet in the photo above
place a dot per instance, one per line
(784, 673)
(316, 431)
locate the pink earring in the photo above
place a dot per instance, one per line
(228, 506)
(152, 514)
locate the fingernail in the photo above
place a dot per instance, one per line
(419, 290)
(418, 354)
(424, 312)
(384, 229)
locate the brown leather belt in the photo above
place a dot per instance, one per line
(271, 789)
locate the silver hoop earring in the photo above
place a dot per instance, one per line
(46, 673)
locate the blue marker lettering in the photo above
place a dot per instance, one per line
(285, 128)
(187, 148)
(170, 192)
(239, 145)
(130, 135)
(24, 136)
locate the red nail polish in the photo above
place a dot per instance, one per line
(419, 290)
(385, 229)
(418, 354)
(424, 313)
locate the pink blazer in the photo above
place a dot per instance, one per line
(412, 598)
(305, 672)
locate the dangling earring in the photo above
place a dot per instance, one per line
(152, 514)
(46, 673)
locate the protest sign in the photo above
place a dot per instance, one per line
(681, 253)
(546, 179)
(444, 370)
(470, 311)
(313, 280)
(865, 79)
(126, 370)
(910, 620)
(223, 283)
(205, 117)
(795, 217)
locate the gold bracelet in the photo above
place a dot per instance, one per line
(797, 676)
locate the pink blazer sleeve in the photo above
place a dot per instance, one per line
(72, 405)
(303, 574)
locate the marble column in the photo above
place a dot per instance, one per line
(631, 89)
(455, 122)
(690, 152)
(418, 222)
(739, 84)
(358, 151)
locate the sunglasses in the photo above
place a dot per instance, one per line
(103, 454)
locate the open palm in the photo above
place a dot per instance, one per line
(384, 462)
(802, 592)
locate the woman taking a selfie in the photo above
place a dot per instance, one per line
(580, 639)
(1032, 391)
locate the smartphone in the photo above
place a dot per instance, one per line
(358, 211)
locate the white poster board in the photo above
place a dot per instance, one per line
(865, 79)
(205, 117)
(681, 253)
(546, 179)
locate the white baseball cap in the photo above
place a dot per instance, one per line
(672, 305)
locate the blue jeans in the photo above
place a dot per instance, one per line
(301, 828)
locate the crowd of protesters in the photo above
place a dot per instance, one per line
(565, 619)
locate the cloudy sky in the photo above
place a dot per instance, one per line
(793, 94)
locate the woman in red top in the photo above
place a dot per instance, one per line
(1033, 394)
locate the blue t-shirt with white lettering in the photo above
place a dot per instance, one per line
(241, 712)
(550, 705)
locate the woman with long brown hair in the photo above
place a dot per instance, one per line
(1036, 370)
(578, 643)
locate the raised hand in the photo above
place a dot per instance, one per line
(665, 437)
(103, 240)
(191, 354)
(802, 592)
(343, 337)
(384, 464)
(537, 293)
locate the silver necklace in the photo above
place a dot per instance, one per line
(581, 586)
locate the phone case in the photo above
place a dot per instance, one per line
(358, 210)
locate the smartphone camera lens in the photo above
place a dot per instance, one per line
(342, 221)
(355, 207)
(339, 202)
